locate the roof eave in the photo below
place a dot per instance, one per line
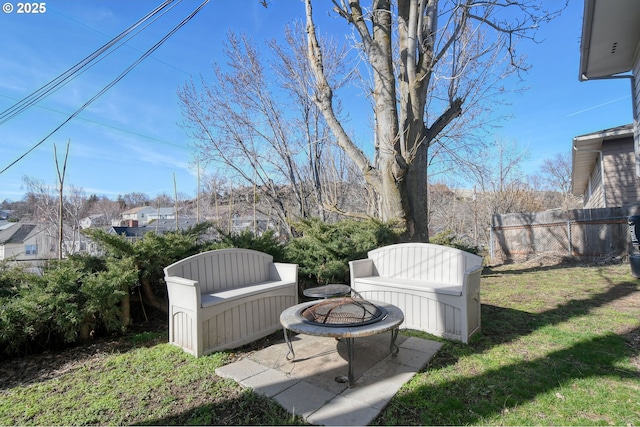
(585, 40)
(585, 151)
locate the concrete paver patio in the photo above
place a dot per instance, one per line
(308, 386)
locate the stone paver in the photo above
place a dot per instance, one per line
(378, 385)
(303, 398)
(342, 411)
(240, 370)
(269, 382)
(307, 387)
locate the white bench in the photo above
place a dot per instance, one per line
(436, 287)
(226, 298)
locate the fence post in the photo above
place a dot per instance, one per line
(570, 246)
(491, 254)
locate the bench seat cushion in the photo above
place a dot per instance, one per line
(210, 299)
(412, 284)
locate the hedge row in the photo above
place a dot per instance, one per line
(81, 297)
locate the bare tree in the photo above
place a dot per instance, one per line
(60, 216)
(135, 199)
(433, 63)
(273, 142)
(556, 174)
(212, 188)
(162, 200)
(449, 210)
(40, 200)
(500, 186)
(109, 209)
(497, 174)
(61, 176)
(76, 206)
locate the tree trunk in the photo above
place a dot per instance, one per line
(411, 107)
(414, 195)
(150, 297)
(125, 309)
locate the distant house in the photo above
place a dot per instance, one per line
(162, 213)
(603, 168)
(158, 227)
(609, 49)
(145, 214)
(35, 242)
(249, 223)
(97, 220)
(140, 215)
(26, 242)
(132, 233)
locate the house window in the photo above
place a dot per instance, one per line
(31, 249)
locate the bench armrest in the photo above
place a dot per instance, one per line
(360, 268)
(472, 280)
(474, 269)
(180, 281)
(184, 293)
(284, 271)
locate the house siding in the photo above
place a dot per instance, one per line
(593, 197)
(620, 177)
(44, 243)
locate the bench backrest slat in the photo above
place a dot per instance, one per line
(423, 261)
(223, 268)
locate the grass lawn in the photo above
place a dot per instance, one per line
(559, 346)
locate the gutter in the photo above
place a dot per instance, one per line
(585, 40)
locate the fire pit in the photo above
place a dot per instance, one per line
(343, 318)
(339, 312)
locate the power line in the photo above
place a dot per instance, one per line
(78, 68)
(113, 82)
(95, 122)
(107, 35)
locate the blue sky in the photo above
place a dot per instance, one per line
(129, 140)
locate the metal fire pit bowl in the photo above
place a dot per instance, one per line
(341, 312)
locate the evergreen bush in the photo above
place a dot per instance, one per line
(323, 251)
(148, 257)
(62, 305)
(83, 294)
(266, 242)
(449, 238)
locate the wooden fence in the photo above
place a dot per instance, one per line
(580, 233)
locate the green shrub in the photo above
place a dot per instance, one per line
(449, 238)
(63, 304)
(12, 277)
(44, 311)
(104, 293)
(323, 250)
(266, 242)
(149, 255)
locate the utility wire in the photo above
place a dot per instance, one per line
(72, 72)
(106, 125)
(113, 82)
(108, 35)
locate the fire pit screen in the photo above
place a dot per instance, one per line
(341, 312)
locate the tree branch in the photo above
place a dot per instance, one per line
(324, 100)
(454, 110)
